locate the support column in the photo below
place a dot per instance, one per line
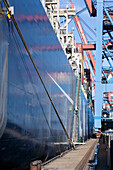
(98, 77)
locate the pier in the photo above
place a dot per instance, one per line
(76, 159)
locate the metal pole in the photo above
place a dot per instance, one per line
(98, 77)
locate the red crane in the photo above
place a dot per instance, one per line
(90, 7)
(84, 41)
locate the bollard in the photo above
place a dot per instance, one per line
(36, 165)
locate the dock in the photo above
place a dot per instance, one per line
(75, 159)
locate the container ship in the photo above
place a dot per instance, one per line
(29, 127)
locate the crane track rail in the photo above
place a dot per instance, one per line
(84, 162)
(77, 159)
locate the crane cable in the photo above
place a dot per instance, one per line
(25, 45)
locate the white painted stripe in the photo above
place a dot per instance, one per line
(67, 96)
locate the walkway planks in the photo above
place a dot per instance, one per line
(75, 159)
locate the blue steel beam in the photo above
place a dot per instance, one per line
(104, 74)
(110, 35)
(99, 87)
(98, 101)
(108, 1)
(108, 16)
(109, 7)
(107, 88)
(108, 51)
(98, 76)
(108, 60)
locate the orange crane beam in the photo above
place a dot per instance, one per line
(90, 7)
(89, 47)
(93, 46)
(83, 38)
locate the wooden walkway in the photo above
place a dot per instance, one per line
(74, 160)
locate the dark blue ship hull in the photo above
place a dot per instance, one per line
(29, 127)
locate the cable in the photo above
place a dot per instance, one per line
(82, 10)
(24, 43)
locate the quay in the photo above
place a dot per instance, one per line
(75, 159)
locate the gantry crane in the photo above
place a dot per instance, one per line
(104, 51)
(85, 42)
(103, 69)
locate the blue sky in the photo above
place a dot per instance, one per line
(84, 17)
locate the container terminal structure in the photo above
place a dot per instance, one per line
(46, 104)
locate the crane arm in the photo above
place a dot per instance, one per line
(83, 38)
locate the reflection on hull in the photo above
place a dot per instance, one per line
(32, 130)
(18, 150)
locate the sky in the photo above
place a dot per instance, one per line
(84, 18)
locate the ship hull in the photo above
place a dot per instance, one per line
(31, 129)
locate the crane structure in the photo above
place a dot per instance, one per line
(100, 72)
(90, 66)
(60, 19)
(104, 56)
(103, 66)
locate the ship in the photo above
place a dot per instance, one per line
(29, 127)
